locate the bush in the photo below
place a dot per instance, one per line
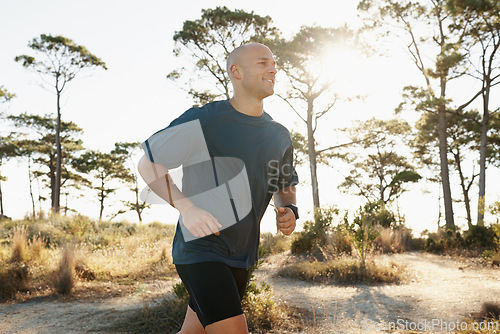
(344, 271)
(341, 241)
(480, 237)
(13, 278)
(315, 234)
(395, 240)
(273, 244)
(474, 241)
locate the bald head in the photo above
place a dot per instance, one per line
(237, 56)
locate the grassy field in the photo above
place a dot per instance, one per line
(78, 258)
(36, 256)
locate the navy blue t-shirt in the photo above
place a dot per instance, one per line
(263, 147)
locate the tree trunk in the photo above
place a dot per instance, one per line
(1, 201)
(57, 185)
(443, 151)
(137, 204)
(482, 156)
(311, 151)
(102, 195)
(31, 188)
(465, 190)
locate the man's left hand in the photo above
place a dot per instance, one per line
(286, 220)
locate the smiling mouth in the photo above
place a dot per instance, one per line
(269, 80)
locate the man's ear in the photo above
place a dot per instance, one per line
(236, 71)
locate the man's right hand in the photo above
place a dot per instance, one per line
(199, 222)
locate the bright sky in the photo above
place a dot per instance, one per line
(133, 98)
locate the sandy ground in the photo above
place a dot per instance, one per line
(440, 291)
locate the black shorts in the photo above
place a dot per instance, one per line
(215, 289)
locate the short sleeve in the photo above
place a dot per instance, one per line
(176, 145)
(288, 175)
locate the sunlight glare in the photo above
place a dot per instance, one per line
(341, 65)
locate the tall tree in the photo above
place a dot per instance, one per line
(302, 60)
(379, 171)
(105, 168)
(208, 42)
(127, 151)
(6, 146)
(7, 151)
(40, 145)
(436, 49)
(482, 19)
(60, 59)
(463, 140)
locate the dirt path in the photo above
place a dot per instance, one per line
(441, 288)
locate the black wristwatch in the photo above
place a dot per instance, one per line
(295, 210)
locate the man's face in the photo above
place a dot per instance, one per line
(259, 71)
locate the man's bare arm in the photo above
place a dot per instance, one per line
(198, 221)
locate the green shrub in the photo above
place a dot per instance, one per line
(316, 232)
(480, 237)
(363, 230)
(473, 241)
(181, 292)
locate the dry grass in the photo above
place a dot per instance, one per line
(36, 247)
(344, 271)
(273, 243)
(264, 315)
(14, 278)
(156, 316)
(64, 276)
(19, 245)
(486, 321)
(111, 257)
(121, 254)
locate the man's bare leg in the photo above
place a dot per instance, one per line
(192, 324)
(233, 325)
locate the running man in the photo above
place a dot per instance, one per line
(235, 158)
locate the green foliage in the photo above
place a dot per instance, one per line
(363, 229)
(5, 95)
(315, 233)
(379, 172)
(63, 58)
(480, 237)
(105, 167)
(127, 151)
(476, 240)
(36, 141)
(181, 292)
